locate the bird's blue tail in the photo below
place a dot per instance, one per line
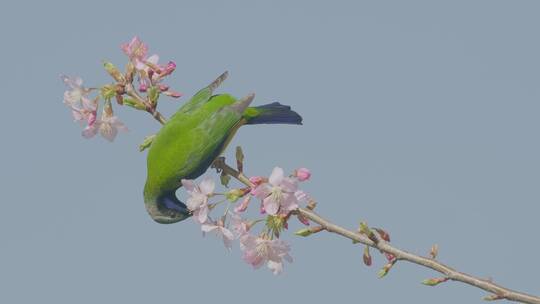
(272, 113)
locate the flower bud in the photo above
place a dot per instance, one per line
(302, 174)
(163, 87)
(257, 180)
(171, 66)
(130, 72)
(386, 268)
(309, 231)
(304, 232)
(434, 281)
(113, 71)
(390, 257)
(239, 159)
(173, 94)
(143, 87)
(234, 194)
(383, 234)
(493, 297)
(153, 94)
(304, 220)
(367, 256)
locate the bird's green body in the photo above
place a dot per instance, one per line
(192, 139)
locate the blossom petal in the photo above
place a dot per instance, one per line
(207, 186)
(208, 227)
(227, 233)
(289, 184)
(194, 201)
(108, 131)
(276, 267)
(276, 177)
(261, 191)
(270, 206)
(188, 184)
(203, 213)
(153, 59)
(88, 104)
(89, 132)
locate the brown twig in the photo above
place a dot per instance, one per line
(497, 291)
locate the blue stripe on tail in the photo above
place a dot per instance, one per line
(275, 113)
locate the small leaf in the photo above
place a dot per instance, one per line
(147, 142)
(234, 194)
(434, 251)
(224, 179)
(363, 229)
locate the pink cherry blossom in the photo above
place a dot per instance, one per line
(76, 93)
(84, 111)
(278, 194)
(302, 174)
(241, 228)
(107, 126)
(76, 90)
(136, 50)
(76, 98)
(239, 225)
(197, 203)
(168, 69)
(219, 229)
(261, 250)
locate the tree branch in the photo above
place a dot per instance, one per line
(449, 273)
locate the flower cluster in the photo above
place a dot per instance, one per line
(149, 74)
(279, 197)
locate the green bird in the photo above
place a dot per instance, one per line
(193, 138)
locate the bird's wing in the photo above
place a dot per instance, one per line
(203, 95)
(216, 127)
(212, 136)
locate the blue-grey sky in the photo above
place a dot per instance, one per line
(419, 116)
